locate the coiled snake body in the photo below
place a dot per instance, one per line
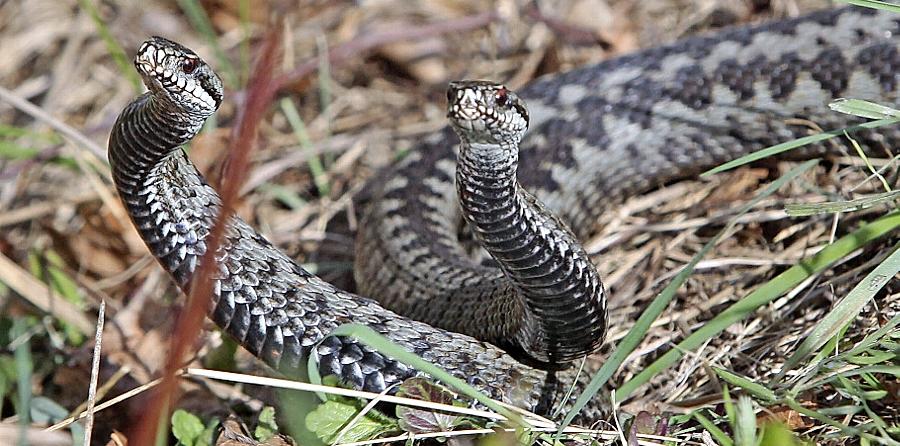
(598, 134)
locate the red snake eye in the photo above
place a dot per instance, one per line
(189, 65)
(501, 96)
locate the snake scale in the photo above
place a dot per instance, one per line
(599, 134)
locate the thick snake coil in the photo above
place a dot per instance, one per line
(598, 134)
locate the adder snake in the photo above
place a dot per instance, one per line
(599, 133)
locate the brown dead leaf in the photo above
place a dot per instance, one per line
(784, 415)
(737, 188)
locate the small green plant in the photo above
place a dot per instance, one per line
(190, 430)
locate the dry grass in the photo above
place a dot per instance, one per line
(379, 92)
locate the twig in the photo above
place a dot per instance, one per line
(66, 130)
(344, 51)
(111, 402)
(340, 391)
(95, 371)
(31, 212)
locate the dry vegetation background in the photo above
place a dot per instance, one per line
(380, 89)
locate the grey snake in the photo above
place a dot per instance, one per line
(599, 133)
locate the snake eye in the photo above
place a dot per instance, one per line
(189, 65)
(501, 97)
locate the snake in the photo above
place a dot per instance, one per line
(598, 134)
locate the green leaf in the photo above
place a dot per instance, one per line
(872, 357)
(187, 428)
(753, 388)
(266, 428)
(330, 417)
(206, 438)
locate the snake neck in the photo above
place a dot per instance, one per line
(169, 202)
(553, 276)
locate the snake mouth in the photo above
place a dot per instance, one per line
(468, 118)
(143, 61)
(471, 116)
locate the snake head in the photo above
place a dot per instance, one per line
(178, 76)
(486, 112)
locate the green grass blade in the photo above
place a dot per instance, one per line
(12, 151)
(745, 427)
(863, 109)
(794, 405)
(751, 387)
(115, 50)
(720, 436)
(24, 370)
(874, 4)
(831, 376)
(285, 195)
(661, 301)
(316, 168)
(846, 310)
(11, 131)
(765, 294)
(871, 339)
(865, 158)
(200, 21)
(806, 209)
(790, 145)
(372, 339)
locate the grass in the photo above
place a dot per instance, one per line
(314, 162)
(661, 302)
(24, 368)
